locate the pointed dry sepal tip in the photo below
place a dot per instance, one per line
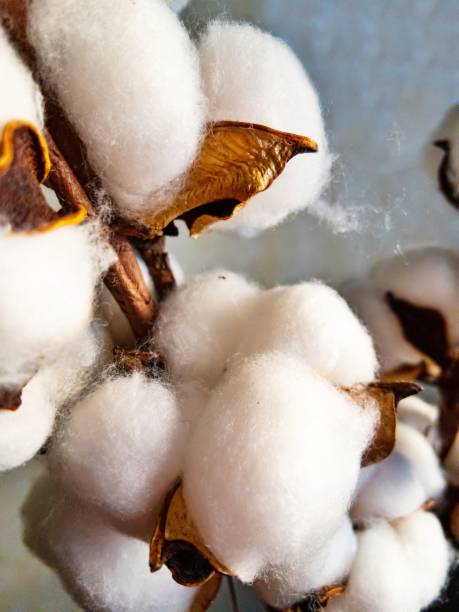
(236, 161)
(10, 399)
(448, 176)
(177, 544)
(315, 601)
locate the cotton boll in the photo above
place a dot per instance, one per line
(417, 413)
(268, 85)
(121, 448)
(128, 78)
(276, 446)
(103, 569)
(313, 323)
(416, 448)
(21, 98)
(199, 325)
(285, 585)
(393, 490)
(46, 286)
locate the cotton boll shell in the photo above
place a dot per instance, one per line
(276, 446)
(313, 323)
(267, 86)
(285, 585)
(393, 490)
(417, 413)
(198, 326)
(47, 287)
(121, 448)
(21, 98)
(102, 568)
(129, 81)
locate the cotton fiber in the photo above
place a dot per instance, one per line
(276, 446)
(121, 448)
(128, 77)
(285, 585)
(103, 569)
(46, 294)
(313, 323)
(396, 568)
(200, 324)
(21, 98)
(266, 84)
(417, 413)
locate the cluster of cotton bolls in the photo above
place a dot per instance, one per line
(152, 93)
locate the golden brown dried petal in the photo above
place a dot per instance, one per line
(207, 594)
(426, 370)
(177, 543)
(387, 396)
(236, 161)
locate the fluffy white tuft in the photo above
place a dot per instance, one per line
(417, 413)
(103, 569)
(121, 448)
(266, 84)
(401, 567)
(47, 288)
(128, 77)
(313, 323)
(283, 586)
(21, 98)
(264, 456)
(199, 325)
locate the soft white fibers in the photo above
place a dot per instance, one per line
(284, 585)
(103, 569)
(128, 77)
(417, 413)
(267, 85)
(46, 294)
(276, 446)
(200, 324)
(313, 323)
(21, 98)
(401, 567)
(121, 448)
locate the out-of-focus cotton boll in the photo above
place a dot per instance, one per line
(199, 325)
(386, 576)
(268, 86)
(128, 77)
(313, 323)
(21, 98)
(417, 413)
(177, 5)
(393, 490)
(24, 431)
(101, 568)
(264, 456)
(46, 294)
(416, 448)
(283, 586)
(121, 448)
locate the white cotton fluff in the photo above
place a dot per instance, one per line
(47, 286)
(127, 75)
(277, 446)
(400, 567)
(102, 568)
(24, 431)
(200, 324)
(20, 98)
(282, 586)
(417, 413)
(249, 75)
(121, 447)
(177, 5)
(311, 322)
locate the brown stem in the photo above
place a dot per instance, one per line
(157, 260)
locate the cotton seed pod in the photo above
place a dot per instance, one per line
(129, 82)
(418, 414)
(102, 568)
(274, 90)
(311, 322)
(270, 440)
(121, 448)
(47, 286)
(21, 99)
(283, 586)
(199, 325)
